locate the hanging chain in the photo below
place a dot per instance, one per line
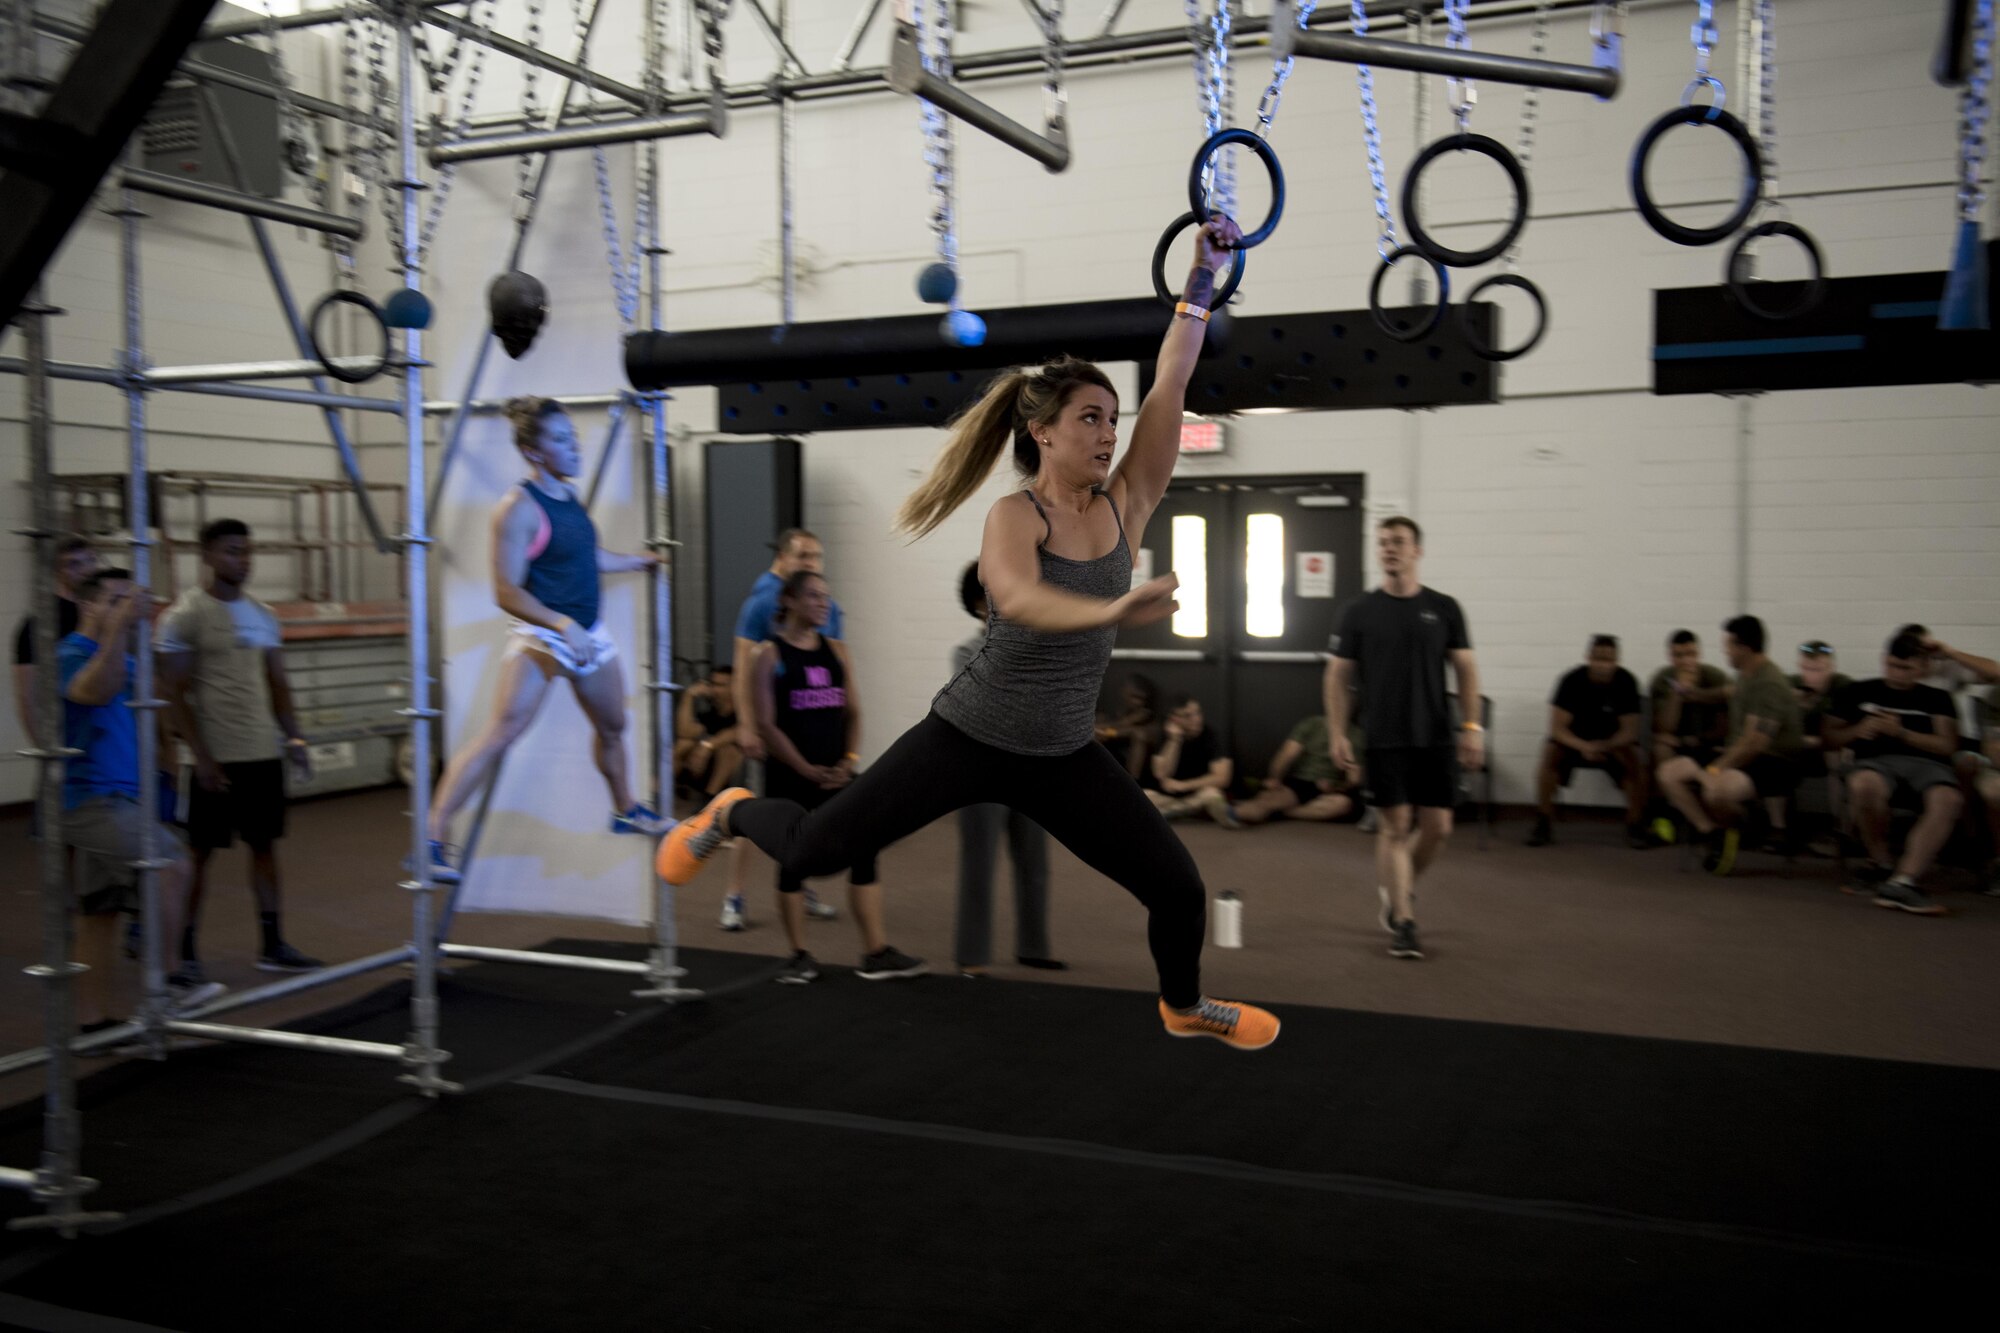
(1460, 94)
(1055, 102)
(712, 14)
(531, 112)
(1704, 36)
(934, 46)
(1214, 81)
(1531, 107)
(380, 170)
(1281, 69)
(1371, 134)
(440, 132)
(1767, 84)
(1973, 111)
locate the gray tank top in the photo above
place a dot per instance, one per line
(1030, 692)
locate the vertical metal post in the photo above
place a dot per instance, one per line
(424, 1056)
(1419, 24)
(1746, 434)
(787, 168)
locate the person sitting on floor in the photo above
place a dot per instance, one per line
(1190, 775)
(1903, 735)
(1593, 723)
(1133, 736)
(706, 753)
(1304, 783)
(1764, 734)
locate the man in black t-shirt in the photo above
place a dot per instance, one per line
(1190, 775)
(1902, 734)
(76, 561)
(1593, 723)
(1394, 644)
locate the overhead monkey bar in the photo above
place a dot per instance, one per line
(714, 120)
(1287, 39)
(906, 74)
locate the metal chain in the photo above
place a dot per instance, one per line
(448, 173)
(1055, 101)
(379, 98)
(1767, 83)
(1460, 94)
(934, 46)
(1973, 111)
(1281, 69)
(1371, 134)
(294, 143)
(713, 12)
(438, 72)
(626, 264)
(1531, 106)
(1215, 83)
(1704, 36)
(358, 139)
(531, 111)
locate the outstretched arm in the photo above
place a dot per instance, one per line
(1149, 460)
(1012, 573)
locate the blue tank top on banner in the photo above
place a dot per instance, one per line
(563, 575)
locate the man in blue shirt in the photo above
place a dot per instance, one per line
(796, 550)
(102, 818)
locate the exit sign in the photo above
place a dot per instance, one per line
(1202, 437)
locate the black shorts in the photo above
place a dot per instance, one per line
(1772, 776)
(1305, 791)
(1421, 777)
(1703, 752)
(1568, 761)
(252, 807)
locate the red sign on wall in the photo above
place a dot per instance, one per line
(1201, 437)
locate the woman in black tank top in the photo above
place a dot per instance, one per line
(1016, 727)
(803, 686)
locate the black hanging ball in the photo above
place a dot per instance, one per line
(518, 304)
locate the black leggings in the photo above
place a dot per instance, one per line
(1084, 799)
(785, 784)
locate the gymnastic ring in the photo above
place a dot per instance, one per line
(1489, 351)
(1424, 326)
(332, 367)
(1739, 279)
(1753, 175)
(1160, 288)
(1485, 147)
(1198, 202)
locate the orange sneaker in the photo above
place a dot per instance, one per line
(694, 840)
(1244, 1026)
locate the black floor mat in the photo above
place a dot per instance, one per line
(951, 1154)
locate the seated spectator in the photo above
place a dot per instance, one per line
(1190, 775)
(1764, 734)
(1951, 669)
(102, 819)
(706, 753)
(1690, 700)
(1902, 735)
(1593, 723)
(1954, 671)
(1986, 784)
(1304, 782)
(1816, 682)
(1134, 734)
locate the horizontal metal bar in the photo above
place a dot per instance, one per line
(251, 370)
(306, 19)
(521, 51)
(441, 407)
(12, 1177)
(64, 370)
(305, 981)
(713, 120)
(1299, 658)
(235, 201)
(295, 1041)
(570, 960)
(1385, 54)
(907, 75)
(1159, 654)
(202, 72)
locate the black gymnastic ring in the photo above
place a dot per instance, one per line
(1753, 175)
(1423, 327)
(1160, 288)
(332, 367)
(1739, 281)
(1414, 223)
(1198, 202)
(1491, 352)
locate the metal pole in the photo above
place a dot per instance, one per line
(70, 370)
(161, 377)
(907, 74)
(1385, 54)
(788, 129)
(844, 58)
(714, 120)
(310, 18)
(1420, 23)
(336, 429)
(1746, 434)
(201, 72)
(569, 69)
(235, 201)
(775, 31)
(1112, 12)
(424, 1054)
(524, 218)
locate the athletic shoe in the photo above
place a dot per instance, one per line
(1387, 915)
(184, 994)
(800, 968)
(1640, 838)
(1664, 830)
(442, 869)
(1403, 941)
(191, 970)
(696, 838)
(1044, 964)
(1227, 817)
(1369, 820)
(818, 910)
(1542, 834)
(1244, 1026)
(1903, 895)
(888, 963)
(732, 912)
(1722, 846)
(285, 958)
(641, 820)
(1865, 878)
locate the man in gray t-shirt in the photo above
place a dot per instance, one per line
(222, 667)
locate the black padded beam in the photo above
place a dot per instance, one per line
(1877, 329)
(111, 81)
(847, 402)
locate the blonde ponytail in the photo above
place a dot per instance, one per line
(1001, 416)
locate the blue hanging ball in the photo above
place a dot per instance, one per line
(407, 309)
(962, 328)
(937, 284)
